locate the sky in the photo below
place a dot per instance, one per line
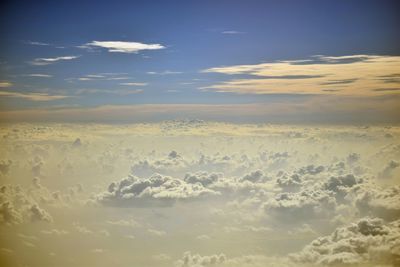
(239, 61)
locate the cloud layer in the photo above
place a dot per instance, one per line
(354, 75)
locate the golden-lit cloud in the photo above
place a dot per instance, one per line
(5, 84)
(32, 96)
(361, 75)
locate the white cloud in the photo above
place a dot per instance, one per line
(367, 242)
(38, 75)
(134, 84)
(232, 32)
(37, 43)
(158, 190)
(47, 61)
(124, 47)
(166, 72)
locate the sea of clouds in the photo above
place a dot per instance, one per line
(194, 193)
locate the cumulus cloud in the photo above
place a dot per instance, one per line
(372, 200)
(369, 241)
(5, 166)
(387, 172)
(124, 47)
(190, 259)
(18, 207)
(268, 190)
(196, 260)
(157, 190)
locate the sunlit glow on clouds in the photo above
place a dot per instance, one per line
(192, 193)
(345, 75)
(32, 96)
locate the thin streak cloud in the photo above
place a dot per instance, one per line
(359, 75)
(32, 96)
(124, 47)
(47, 61)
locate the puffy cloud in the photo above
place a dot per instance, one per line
(5, 166)
(38, 214)
(172, 164)
(190, 259)
(257, 176)
(372, 200)
(367, 242)
(387, 172)
(304, 205)
(16, 207)
(204, 178)
(157, 190)
(196, 260)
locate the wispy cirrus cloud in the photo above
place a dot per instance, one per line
(38, 75)
(134, 84)
(123, 47)
(32, 96)
(37, 43)
(340, 75)
(232, 32)
(47, 61)
(101, 77)
(166, 72)
(120, 92)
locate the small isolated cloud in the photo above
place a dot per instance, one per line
(37, 43)
(4, 84)
(232, 32)
(123, 47)
(134, 84)
(47, 61)
(121, 92)
(166, 72)
(39, 75)
(33, 96)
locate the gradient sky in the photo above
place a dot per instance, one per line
(330, 60)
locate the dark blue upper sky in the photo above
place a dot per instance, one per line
(197, 35)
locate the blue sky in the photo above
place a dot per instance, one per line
(50, 59)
